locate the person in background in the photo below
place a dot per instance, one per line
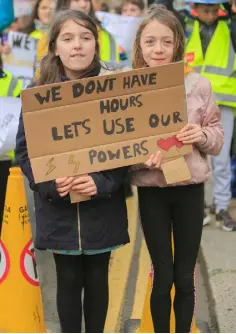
(4, 46)
(97, 5)
(169, 5)
(209, 33)
(9, 87)
(116, 9)
(34, 25)
(81, 235)
(105, 7)
(19, 23)
(133, 8)
(109, 51)
(40, 19)
(177, 209)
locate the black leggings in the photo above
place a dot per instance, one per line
(74, 274)
(163, 210)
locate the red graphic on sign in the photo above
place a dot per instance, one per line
(168, 143)
(28, 264)
(4, 262)
(190, 57)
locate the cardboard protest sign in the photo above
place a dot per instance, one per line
(175, 170)
(20, 62)
(105, 122)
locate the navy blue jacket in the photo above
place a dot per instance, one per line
(96, 224)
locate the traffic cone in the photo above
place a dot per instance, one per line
(21, 308)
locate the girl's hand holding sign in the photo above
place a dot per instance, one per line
(192, 134)
(84, 185)
(63, 185)
(155, 160)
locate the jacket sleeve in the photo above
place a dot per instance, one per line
(46, 190)
(210, 121)
(109, 181)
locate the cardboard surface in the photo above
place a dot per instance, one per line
(112, 85)
(176, 170)
(102, 158)
(75, 197)
(106, 122)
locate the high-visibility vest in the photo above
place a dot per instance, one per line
(10, 86)
(36, 34)
(219, 63)
(188, 20)
(109, 51)
(42, 49)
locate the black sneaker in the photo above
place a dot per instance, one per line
(225, 221)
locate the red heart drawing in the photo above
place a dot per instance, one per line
(168, 143)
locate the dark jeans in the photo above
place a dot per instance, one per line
(74, 274)
(163, 210)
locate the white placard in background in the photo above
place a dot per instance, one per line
(20, 62)
(10, 108)
(123, 28)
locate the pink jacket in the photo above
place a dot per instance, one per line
(202, 110)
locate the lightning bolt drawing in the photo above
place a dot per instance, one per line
(51, 166)
(72, 162)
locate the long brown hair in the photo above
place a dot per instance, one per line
(164, 16)
(51, 68)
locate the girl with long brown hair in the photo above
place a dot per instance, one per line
(81, 236)
(178, 208)
(109, 51)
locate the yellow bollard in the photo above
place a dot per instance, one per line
(21, 303)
